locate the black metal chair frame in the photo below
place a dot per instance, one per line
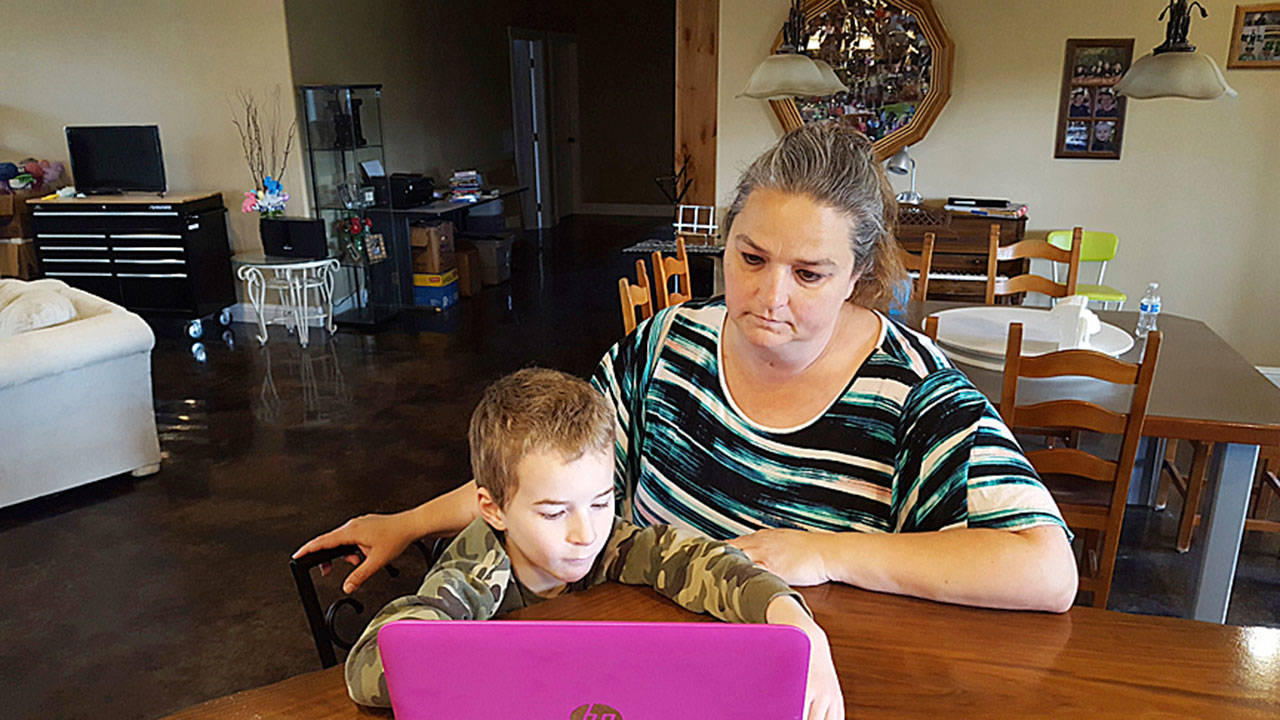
(322, 623)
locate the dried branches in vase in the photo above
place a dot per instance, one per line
(266, 150)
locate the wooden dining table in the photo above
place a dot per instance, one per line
(899, 657)
(1203, 390)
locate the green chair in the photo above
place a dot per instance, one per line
(1098, 247)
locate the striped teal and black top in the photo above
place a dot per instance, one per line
(910, 445)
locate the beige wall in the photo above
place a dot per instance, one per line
(1195, 198)
(167, 63)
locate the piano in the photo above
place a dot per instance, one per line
(959, 269)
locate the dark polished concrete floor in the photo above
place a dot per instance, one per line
(138, 597)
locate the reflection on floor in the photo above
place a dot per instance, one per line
(148, 595)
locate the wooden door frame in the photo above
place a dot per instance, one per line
(697, 55)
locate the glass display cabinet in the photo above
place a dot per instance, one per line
(345, 163)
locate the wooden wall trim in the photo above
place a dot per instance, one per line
(697, 51)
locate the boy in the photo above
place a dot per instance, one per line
(542, 455)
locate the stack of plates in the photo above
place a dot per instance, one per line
(977, 335)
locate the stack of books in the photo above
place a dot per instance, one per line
(464, 186)
(986, 207)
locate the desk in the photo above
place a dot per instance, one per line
(394, 224)
(900, 657)
(1203, 390)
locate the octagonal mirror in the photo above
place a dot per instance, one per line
(894, 56)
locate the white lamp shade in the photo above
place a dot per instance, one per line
(833, 84)
(786, 75)
(1174, 74)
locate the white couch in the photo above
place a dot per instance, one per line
(75, 398)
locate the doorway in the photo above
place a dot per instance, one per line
(544, 110)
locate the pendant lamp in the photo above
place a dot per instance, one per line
(1175, 69)
(789, 73)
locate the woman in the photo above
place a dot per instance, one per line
(829, 442)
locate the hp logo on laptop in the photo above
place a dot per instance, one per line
(595, 711)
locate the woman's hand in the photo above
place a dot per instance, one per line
(380, 537)
(793, 555)
(823, 699)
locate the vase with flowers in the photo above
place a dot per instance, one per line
(266, 150)
(354, 232)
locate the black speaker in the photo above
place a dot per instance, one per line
(294, 237)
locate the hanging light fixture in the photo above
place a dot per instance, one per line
(788, 72)
(1175, 69)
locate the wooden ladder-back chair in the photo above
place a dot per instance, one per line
(666, 268)
(920, 263)
(1090, 491)
(1191, 487)
(931, 327)
(1030, 282)
(635, 296)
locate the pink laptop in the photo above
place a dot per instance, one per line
(594, 670)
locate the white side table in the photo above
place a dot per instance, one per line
(304, 288)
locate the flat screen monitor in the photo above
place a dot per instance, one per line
(116, 158)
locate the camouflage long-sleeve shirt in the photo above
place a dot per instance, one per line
(473, 580)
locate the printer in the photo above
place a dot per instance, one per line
(402, 190)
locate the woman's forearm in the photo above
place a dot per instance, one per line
(446, 514)
(1031, 569)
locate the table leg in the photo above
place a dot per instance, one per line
(256, 288)
(297, 304)
(1226, 500)
(1144, 483)
(329, 271)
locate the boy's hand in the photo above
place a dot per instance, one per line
(823, 699)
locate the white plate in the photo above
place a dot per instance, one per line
(986, 363)
(983, 331)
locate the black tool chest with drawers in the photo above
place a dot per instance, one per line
(153, 255)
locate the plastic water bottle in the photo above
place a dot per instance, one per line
(1148, 309)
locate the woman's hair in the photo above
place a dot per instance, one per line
(834, 165)
(535, 410)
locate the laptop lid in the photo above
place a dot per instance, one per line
(594, 670)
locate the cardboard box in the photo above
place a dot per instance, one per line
(468, 258)
(495, 257)
(433, 247)
(436, 290)
(15, 217)
(18, 258)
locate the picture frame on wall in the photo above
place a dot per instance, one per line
(1090, 111)
(1255, 37)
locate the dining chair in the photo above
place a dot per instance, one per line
(635, 296)
(931, 327)
(921, 264)
(323, 624)
(1030, 282)
(667, 268)
(1090, 491)
(1190, 486)
(1095, 247)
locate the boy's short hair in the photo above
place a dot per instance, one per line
(534, 410)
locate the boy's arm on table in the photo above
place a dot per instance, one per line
(699, 574)
(467, 584)
(709, 576)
